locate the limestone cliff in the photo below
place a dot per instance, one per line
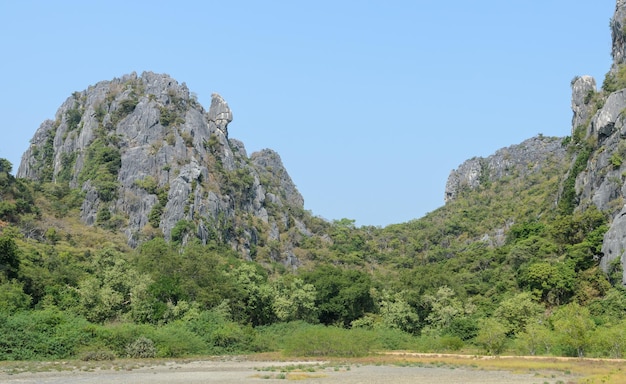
(598, 127)
(597, 145)
(519, 160)
(152, 161)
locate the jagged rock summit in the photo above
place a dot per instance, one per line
(152, 161)
(518, 160)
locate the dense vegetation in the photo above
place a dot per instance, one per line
(500, 268)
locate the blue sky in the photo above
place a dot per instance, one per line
(369, 104)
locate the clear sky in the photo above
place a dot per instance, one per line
(370, 104)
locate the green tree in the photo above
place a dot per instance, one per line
(397, 313)
(516, 311)
(12, 297)
(445, 307)
(342, 295)
(611, 341)
(554, 282)
(536, 338)
(114, 289)
(492, 336)
(574, 328)
(9, 258)
(294, 300)
(253, 297)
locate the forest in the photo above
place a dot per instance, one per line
(499, 270)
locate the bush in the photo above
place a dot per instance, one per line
(98, 355)
(319, 340)
(141, 348)
(221, 335)
(174, 340)
(119, 336)
(42, 334)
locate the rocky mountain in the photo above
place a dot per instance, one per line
(152, 161)
(597, 148)
(518, 160)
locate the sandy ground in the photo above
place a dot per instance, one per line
(227, 372)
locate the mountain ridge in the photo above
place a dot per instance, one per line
(148, 156)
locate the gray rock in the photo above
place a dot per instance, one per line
(170, 148)
(582, 90)
(618, 37)
(613, 244)
(519, 160)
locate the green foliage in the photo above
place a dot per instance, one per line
(492, 336)
(516, 312)
(218, 333)
(445, 307)
(342, 295)
(616, 160)
(610, 341)
(141, 348)
(149, 184)
(97, 355)
(536, 338)
(154, 217)
(12, 297)
(9, 258)
(174, 340)
(124, 108)
(180, 230)
(553, 282)
(72, 118)
(41, 334)
(5, 166)
(574, 328)
(615, 81)
(101, 167)
(568, 199)
(294, 300)
(318, 340)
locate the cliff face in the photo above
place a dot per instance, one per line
(598, 146)
(519, 160)
(151, 160)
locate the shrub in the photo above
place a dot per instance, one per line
(221, 335)
(174, 340)
(141, 348)
(98, 355)
(319, 340)
(119, 336)
(41, 334)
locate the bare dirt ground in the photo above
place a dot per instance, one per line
(245, 371)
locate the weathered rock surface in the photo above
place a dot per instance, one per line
(602, 182)
(618, 35)
(517, 160)
(583, 89)
(149, 157)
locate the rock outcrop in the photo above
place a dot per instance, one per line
(517, 160)
(152, 161)
(599, 124)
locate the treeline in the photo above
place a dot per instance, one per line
(496, 270)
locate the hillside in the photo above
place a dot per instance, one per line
(137, 222)
(150, 161)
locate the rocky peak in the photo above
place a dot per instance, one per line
(583, 91)
(152, 162)
(517, 160)
(220, 114)
(618, 35)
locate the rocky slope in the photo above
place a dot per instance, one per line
(515, 161)
(152, 161)
(597, 174)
